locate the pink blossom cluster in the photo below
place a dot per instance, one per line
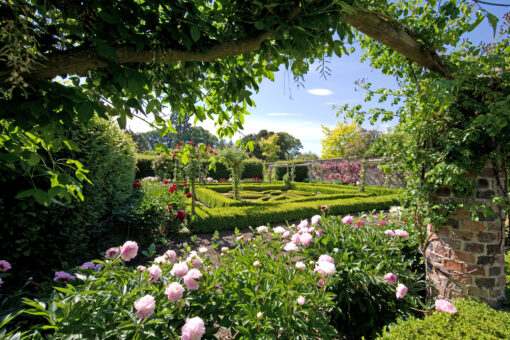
(63, 276)
(345, 172)
(399, 232)
(325, 267)
(401, 289)
(91, 265)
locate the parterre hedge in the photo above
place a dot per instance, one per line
(231, 217)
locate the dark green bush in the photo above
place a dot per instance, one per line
(163, 167)
(473, 320)
(38, 240)
(301, 172)
(253, 167)
(144, 165)
(221, 171)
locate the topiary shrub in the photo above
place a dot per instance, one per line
(253, 167)
(145, 165)
(59, 236)
(473, 320)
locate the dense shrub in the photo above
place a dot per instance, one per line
(300, 174)
(249, 293)
(144, 165)
(253, 168)
(221, 171)
(365, 302)
(473, 320)
(38, 239)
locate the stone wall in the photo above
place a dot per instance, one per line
(464, 257)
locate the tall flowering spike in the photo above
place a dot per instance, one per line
(445, 307)
(401, 291)
(193, 329)
(129, 250)
(145, 307)
(4, 266)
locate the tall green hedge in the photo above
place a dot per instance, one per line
(253, 167)
(221, 171)
(37, 240)
(301, 172)
(144, 165)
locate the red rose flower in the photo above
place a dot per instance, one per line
(173, 155)
(188, 194)
(137, 184)
(216, 154)
(177, 146)
(181, 215)
(191, 143)
(173, 188)
(166, 181)
(170, 208)
(185, 183)
(211, 151)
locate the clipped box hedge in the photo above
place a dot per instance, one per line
(473, 320)
(231, 217)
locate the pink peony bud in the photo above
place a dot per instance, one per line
(154, 272)
(359, 224)
(402, 234)
(316, 219)
(145, 307)
(401, 291)
(301, 300)
(390, 278)
(300, 265)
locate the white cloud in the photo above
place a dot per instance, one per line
(329, 103)
(320, 92)
(283, 114)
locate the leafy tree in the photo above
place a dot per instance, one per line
(336, 139)
(289, 145)
(306, 156)
(270, 148)
(234, 160)
(198, 134)
(124, 58)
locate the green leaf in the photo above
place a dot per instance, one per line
(259, 25)
(195, 33)
(493, 20)
(122, 122)
(107, 17)
(26, 193)
(72, 145)
(85, 111)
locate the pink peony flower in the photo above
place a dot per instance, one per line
(295, 238)
(326, 267)
(4, 266)
(359, 224)
(145, 306)
(401, 291)
(402, 234)
(195, 274)
(302, 224)
(262, 229)
(172, 255)
(316, 219)
(197, 262)
(190, 283)
(324, 208)
(300, 265)
(445, 307)
(301, 300)
(129, 250)
(306, 239)
(174, 291)
(319, 232)
(382, 223)
(112, 252)
(180, 269)
(193, 329)
(347, 219)
(279, 230)
(390, 278)
(390, 232)
(286, 234)
(256, 264)
(311, 230)
(161, 260)
(291, 247)
(154, 272)
(63, 276)
(326, 258)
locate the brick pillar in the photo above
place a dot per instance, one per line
(464, 257)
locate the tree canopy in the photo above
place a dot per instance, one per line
(63, 61)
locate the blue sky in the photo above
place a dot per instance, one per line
(282, 105)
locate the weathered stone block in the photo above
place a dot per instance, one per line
(485, 282)
(453, 265)
(476, 248)
(463, 235)
(464, 256)
(487, 237)
(485, 260)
